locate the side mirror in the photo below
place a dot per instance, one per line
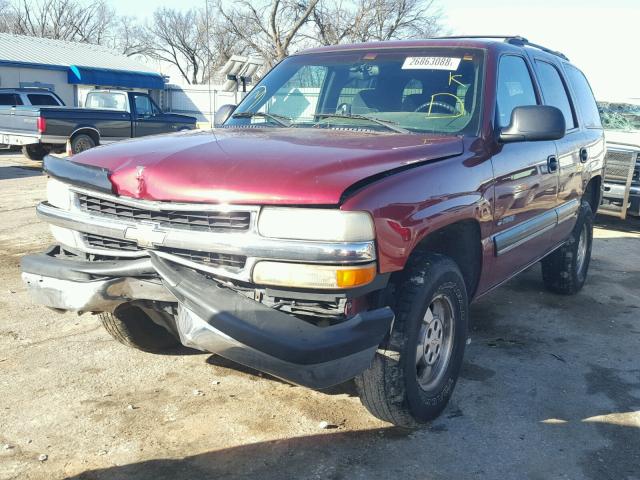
(533, 123)
(223, 113)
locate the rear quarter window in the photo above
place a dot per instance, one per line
(584, 97)
(42, 100)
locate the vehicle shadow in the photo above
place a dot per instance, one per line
(311, 456)
(346, 388)
(629, 225)
(12, 172)
(221, 362)
(387, 452)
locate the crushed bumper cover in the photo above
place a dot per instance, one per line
(212, 318)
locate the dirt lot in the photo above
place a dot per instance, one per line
(550, 388)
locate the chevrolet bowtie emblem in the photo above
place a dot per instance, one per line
(145, 235)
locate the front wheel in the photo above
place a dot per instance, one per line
(565, 270)
(412, 378)
(133, 327)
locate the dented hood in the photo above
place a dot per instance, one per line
(260, 166)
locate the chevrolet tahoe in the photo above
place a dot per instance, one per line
(340, 220)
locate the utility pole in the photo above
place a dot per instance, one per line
(206, 10)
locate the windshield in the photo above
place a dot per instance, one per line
(434, 90)
(620, 116)
(107, 101)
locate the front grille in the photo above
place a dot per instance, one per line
(236, 262)
(618, 165)
(98, 241)
(207, 221)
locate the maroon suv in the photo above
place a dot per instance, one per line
(338, 222)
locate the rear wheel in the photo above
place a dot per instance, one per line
(131, 326)
(81, 142)
(565, 270)
(412, 378)
(34, 152)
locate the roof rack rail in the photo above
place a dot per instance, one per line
(512, 40)
(521, 41)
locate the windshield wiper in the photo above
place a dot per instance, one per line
(279, 119)
(385, 123)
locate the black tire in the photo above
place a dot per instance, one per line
(562, 271)
(81, 142)
(34, 152)
(390, 388)
(132, 327)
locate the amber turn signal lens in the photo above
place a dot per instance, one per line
(354, 277)
(300, 275)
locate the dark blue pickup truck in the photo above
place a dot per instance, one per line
(108, 116)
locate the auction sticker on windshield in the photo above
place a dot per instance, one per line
(431, 63)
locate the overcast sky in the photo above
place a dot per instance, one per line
(601, 40)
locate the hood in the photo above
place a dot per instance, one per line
(623, 137)
(259, 166)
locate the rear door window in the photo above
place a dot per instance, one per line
(515, 87)
(42, 100)
(555, 92)
(584, 97)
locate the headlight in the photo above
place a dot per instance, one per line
(315, 224)
(58, 194)
(312, 276)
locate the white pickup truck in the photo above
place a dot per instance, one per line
(621, 120)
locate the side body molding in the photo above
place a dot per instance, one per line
(525, 231)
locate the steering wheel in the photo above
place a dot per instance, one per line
(443, 106)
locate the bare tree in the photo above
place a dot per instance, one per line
(6, 16)
(69, 20)
(179, 38)
(223, 43)
(370, 20)
(269, 28)
(334, 21)
(129, 37)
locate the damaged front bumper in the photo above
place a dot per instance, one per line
(213, 318)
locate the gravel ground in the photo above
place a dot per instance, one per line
(550, 388)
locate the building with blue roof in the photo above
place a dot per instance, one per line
(71, 69)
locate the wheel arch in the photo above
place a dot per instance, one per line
(462, 242)
(593, 193)
(90, 131)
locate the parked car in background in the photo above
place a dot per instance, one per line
(27, 96)
(621, 120)
(108, 116)
(38, 97)
(339, 222)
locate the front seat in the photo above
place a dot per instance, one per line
(364, 102)
(374, 100)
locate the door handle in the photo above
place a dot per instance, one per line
(552, 163)
(584, 155)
